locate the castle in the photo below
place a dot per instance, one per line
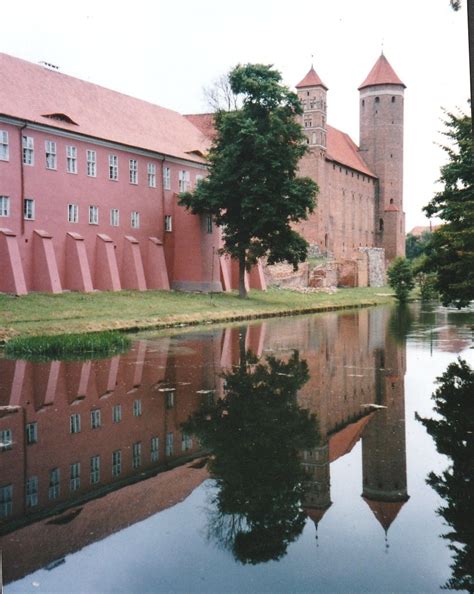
(89, 180)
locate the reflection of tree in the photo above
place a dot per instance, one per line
(454, 437)
(400, 322)
(255, 433)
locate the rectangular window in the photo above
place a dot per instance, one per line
(168, 223)
(6, 501)
(116, 462)
(29, 209)
(151, 169)
(209, 223)
(73, 213)
(169, 399)
(6, 440)
(113, 167)
(117, 413)
(28, 150)
(199, 178)
(75, 423)
(183, 181)
(50, 150)
(54, 486)
(136, 454)
(4, 206)
(95, 419)
(133, 171)
(186, 442)
(169, 444)
(32, 491)
(91, 158)
(114, 217)
(155, 448)
(137, 408)
(93, 215)
(95, 470)
(31, 433)
(75, 476)
(4, 153)
(71, 160)
(135, 219)
(166, 178)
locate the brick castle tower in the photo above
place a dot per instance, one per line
(381, 146)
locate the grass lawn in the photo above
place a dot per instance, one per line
(46, 314)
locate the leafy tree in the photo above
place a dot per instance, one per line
(415, 245)
(450, 252)
(453, 433)
(400, 278)
(255, 434)
(426, 281)
(252, 190)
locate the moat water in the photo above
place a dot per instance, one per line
(283, 456)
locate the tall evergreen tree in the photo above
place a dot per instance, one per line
(252, 191)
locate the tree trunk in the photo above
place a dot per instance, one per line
(242, 289)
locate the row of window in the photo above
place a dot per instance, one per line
(96, 416)
(51, 156)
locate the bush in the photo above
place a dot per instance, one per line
(400, 278)
(426, 281)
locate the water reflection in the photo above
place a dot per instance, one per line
(453, 433)
(255, 433)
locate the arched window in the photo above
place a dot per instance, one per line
(381, 225)
(377, 99)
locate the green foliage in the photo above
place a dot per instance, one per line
(400, 276)
(426, 281)
(415, 246)
(450, 253)
(67, 346)
(252, 191)
(453, 433)
(256, 433)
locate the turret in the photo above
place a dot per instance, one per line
(381, 146)
(312, 94)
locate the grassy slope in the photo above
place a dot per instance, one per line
(75, 312)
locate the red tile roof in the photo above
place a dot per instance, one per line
(311, 80)
(342, 442)
(418, 231)
(31, 92)
(203, 122)
(342, 149)
(381, 74)
(385, 511)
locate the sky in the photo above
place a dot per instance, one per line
(166, 52)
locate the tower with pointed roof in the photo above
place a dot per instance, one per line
(381, 146)
(312, 93)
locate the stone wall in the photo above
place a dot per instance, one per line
(375, 266)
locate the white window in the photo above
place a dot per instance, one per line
(54, 483)
(136, 454)
(95, 419)
(169, 399)
(186, 442)
(166, 178)
(95, 470)
(71, 152)
(50, 151)
(91, 157)
(73, 213)
(168, 223)
(75, 476)
(137, 408)
(29, 209)
(6, 440)
(183, 181)
(169, 444)
(28, 150)
(155, 448)
(4, 155)
(199, 178)
(113, 167)
(93, 215)
(31, 433)
(116, 462)
(133, 171)
(75, 423)
(114, 217)
(151, 169)
(32, 491)
(117, 413)
(135, 219)
(6, 500)
(4, 206)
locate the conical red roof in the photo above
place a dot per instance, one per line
(381, 74)
(311, 80)
(385, 511)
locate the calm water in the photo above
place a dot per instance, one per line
(302, 469)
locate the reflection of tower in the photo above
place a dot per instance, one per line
(317, 497)
(383, 442)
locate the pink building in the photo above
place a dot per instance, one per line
(88, 190)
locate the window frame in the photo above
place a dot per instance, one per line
(50, 151)
(114, 217)
(166, 178)
(73, 209)
(135, 219)
(29, 209)
(151, 175)
(4, 206)
(168, 223)
(71, 159)
(113, 167)
(28, 150)
(133, 171)
(93, 214)
(91, 163)
(4, 146)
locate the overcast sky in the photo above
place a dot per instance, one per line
(165, 52)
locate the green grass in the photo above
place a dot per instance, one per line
(47, 314)
(67, 346)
